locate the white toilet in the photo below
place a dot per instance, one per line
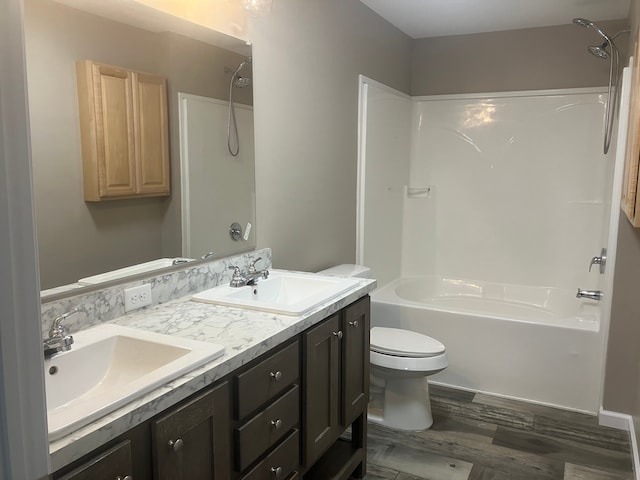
(401, 361)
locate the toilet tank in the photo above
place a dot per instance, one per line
(348, 270)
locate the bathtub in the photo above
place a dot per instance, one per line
(539, 344)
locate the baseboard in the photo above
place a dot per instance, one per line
(623, 421)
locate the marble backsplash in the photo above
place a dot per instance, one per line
(108, 304)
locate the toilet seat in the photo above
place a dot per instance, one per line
(404, 343)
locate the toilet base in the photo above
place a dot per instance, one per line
(404, 405)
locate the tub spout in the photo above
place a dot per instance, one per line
(591, 294)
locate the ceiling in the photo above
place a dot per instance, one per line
(437, 18)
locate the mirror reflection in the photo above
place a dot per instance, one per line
(211, 185)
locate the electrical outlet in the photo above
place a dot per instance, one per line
(137, 297)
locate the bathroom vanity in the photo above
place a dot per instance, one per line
(275, 409)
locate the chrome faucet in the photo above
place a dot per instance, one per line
(590, 294)
(58, 340)
(250, 278)
(601, 260)
(254, 275)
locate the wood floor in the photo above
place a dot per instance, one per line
(481, 437)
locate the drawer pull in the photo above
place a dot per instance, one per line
(354, 324)
(276, 424)
(177, 445)
(338, 334)
(277, 472)
(276, 375)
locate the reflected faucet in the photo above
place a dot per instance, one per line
(58, 340)
(590, 294)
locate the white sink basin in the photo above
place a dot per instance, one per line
(110, 365)
(288, 293)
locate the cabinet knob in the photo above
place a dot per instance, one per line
(276, 424)
(277, 472)
(338, 334)
(177, 445)
(128, 477)
(276, 375)
(354, 324)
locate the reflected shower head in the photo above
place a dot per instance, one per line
(242, 82)
(583, 22)
(599, 51)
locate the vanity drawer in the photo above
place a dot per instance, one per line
(114, 463)
(280, 463)
(267, 379)
(265, 429)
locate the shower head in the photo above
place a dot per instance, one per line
(242, 82)
(599, 51)
(583, 22)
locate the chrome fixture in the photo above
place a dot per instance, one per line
(601, 260)
(232, 125)
(590, 294)
(600, 51)
(254, 275)
(250, 278)
(207, 255)
(179, 261)
(235, 231)
(237, 280)
(58, 340)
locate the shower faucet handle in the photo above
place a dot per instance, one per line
(601, 260)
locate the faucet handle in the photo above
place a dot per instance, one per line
(252, 265)
(237, 280)
(57, 329)
(601, 260)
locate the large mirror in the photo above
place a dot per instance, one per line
(78, 239)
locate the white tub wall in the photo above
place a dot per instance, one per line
(515, 201)
(384, 170)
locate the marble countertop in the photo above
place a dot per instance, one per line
(245, 334)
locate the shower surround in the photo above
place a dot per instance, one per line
(479, 215)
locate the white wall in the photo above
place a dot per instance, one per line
(385, 124)
(518, 192)
(307, 58)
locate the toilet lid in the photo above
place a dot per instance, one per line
(404, 343)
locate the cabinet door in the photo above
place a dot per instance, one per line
(113, 104)
(151, 134)
(191, 442)
(355, 360)
(321, 422)
(114, 464)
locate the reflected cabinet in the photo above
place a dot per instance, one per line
(124, 132)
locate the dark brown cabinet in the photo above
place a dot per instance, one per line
(191, 442)
(336, 393)
(115, 463)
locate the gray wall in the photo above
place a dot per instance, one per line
(308, 54)
(622, 376)
(78, 239)
(527, 59)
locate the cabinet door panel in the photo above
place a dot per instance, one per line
(321, 421)
(188, 444)
(112, 464)
(355, 351)
(151, 133)
(114, 130)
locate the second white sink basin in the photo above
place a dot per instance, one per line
(288, 293)
(110, 365)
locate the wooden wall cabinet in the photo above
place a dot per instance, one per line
(124, 132)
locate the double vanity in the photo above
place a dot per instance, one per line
(260, 381)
